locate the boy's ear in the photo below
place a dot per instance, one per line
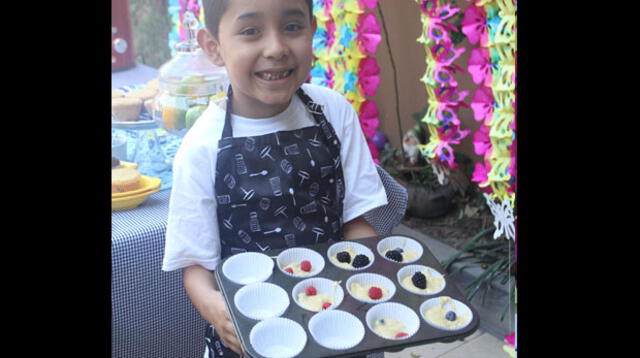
(314, 24)
(210, 46)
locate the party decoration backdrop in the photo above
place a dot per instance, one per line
(347, 36)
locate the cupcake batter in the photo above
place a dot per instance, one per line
(388, 327)
(407, 255)
(434, 283)
(297, 270)
(436, 314)
(362, 291)
(315, 302)
(352, 254)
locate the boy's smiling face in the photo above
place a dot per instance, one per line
(265, 46)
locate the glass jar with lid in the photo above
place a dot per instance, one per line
(188, 82)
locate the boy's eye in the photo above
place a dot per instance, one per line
(293, 27)
(249, 32)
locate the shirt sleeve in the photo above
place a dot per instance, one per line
(363, 187)
(192, 229)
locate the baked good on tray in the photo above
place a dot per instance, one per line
(124, 179)
(126, 109)
(142, 93)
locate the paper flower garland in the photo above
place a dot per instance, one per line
(492, 25)
(345, 37)
(444, 97)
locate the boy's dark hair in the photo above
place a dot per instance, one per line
(214, 9)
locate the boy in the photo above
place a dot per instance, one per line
(285, 164)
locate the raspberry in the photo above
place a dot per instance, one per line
(326, 305)
(450, 316)
(360, 261)
(394, 255)
(343, 256)
(375, 293)
(311, 291)
(305, 265)
(289, 270)
(401, 334)
(419, 280)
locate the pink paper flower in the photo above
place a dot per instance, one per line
(369, 118)
(474, 25)
(370, 4)
(482, 142)
(369, 126)
(480, 66)
(449, 134)
(481, 175)
(482, 104)
(446, 53)
(368, 33)
(368, 78)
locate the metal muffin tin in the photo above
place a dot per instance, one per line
(371, 342)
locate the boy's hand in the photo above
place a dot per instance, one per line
(203, 292)
(222, 324)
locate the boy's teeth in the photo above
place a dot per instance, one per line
(269, 76)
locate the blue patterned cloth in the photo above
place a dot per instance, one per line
(151, 315)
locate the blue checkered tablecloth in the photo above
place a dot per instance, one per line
(151, 313)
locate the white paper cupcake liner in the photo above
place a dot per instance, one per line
(248, 267)
(395, 310)
(404, 242)
(278, 338)
(412, 269)
(336, 329)
(322, 286)
(261, 300)
(366, 279)
(357, 248)
(299, 254)
(460, 309)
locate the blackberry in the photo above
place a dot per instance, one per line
(450, 316)
(394, 255)
(399, 249)
(419, 280)
(343, 256)
(360, 261)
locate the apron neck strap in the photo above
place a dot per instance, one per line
(315, 109)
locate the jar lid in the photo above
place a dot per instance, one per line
(190, 64)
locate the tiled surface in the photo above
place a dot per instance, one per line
(478, 345)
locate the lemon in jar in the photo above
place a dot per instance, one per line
(193, 114)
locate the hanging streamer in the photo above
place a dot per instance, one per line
(347, 35)
(444, 98)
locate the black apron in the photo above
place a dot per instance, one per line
(277, 190)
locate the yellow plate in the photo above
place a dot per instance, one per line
(146, 184)
(133, 201)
